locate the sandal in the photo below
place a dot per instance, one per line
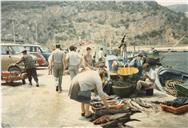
(89, 116)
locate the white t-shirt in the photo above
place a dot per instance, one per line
(152, 75)
(100, 54)
(74, 58)
(50, 59)
(57, 56)
(89, 80)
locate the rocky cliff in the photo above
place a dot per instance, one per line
(99, 22)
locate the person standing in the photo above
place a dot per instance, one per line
(101, 55)
(73, 61)
(94, 60)
(29, 66)
(138, 61)
(88, 58)
(50, 64)
(58, 65)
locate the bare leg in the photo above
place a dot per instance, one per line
(82, 108)
(87, 112)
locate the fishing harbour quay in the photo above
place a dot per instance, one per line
(94, 64)
(25, 106)
(29, 106)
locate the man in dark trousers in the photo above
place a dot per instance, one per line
(30, 67)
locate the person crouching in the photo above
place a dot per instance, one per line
(81, 87)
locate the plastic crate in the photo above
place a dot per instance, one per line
(175, 110)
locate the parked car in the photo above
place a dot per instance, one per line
(10, 54)
(38, 51)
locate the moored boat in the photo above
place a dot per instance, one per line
(170, 76)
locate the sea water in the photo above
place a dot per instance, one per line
(176, 60)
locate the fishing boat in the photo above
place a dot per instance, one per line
(166, 74)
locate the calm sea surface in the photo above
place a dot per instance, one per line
(177, 60)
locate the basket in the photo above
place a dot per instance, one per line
(175, 110)
(127, 71)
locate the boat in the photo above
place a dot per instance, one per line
(165, 74)
(182, 89)
(153, 52)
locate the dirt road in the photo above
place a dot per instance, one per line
(26, 106)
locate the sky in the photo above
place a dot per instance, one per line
(171, 2)
(161, 2)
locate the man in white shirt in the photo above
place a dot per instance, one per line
(73, 61)
(58, 65)
(101, 54)
(149, 78)
(81, 87)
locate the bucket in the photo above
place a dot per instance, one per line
(122, 91)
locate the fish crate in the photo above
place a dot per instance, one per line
(175, 110)
(182, 90)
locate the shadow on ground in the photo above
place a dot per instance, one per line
(13, 84)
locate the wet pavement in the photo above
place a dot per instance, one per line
(30, 106)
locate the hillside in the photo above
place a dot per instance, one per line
(100, 22)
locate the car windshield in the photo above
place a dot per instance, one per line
(44, 49)
(4, 50)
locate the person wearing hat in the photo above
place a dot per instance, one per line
(149, 78)
(81, 87)
(138, 62)
(29, 66)
(58, 65)
(73, 61)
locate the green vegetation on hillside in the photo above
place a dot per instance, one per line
(100, 22)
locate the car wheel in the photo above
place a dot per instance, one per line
(23, 81)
